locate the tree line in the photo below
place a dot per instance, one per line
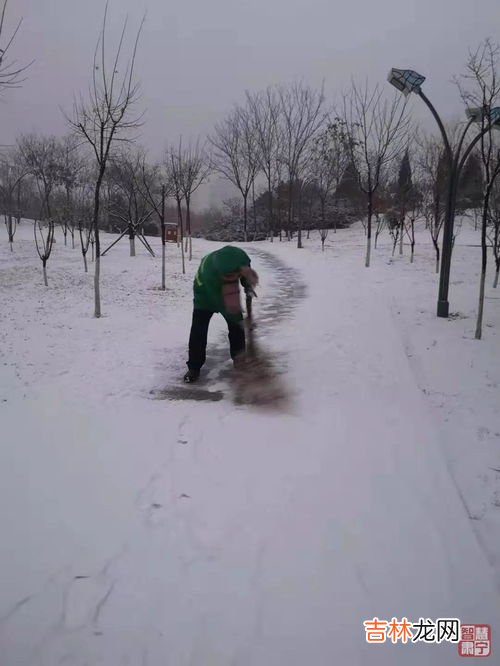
(297, 161)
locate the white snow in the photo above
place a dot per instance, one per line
(177, 533)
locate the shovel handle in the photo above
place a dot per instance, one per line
(249, 305)
(249, 319)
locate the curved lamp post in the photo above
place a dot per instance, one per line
(408, 81)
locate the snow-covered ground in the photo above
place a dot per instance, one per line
(150, 532)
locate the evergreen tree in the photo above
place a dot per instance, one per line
(471, 186)
(348, 189)
(405, 183)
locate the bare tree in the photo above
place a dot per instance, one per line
(10, 70)
(12, 173)
(83, 206)
(405, 203)
(155, 186)
(301, 117)
(378, 130)
(104, 119)
(380, 225)
(71, 164)
(86, 237)
(264, 108)
(174, 165)
(41, 156)
(236, 154)
(432, 175)
(481, 91)
(42, 159)
(327, 166)
(44, 241)
(130, 206)
(194, 170)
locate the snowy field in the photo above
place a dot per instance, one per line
(148, 532)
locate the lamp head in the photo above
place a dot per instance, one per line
(405, 80)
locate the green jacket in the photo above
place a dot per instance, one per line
(207, 285)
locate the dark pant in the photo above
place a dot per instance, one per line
(198, 338)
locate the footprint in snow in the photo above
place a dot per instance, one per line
(85, 600)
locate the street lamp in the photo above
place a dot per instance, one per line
(477, 114)
(408, 81)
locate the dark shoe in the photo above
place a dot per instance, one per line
(191, 376)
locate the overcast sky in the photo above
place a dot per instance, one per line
(197, 57)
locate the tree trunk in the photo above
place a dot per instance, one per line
(188, 228)
(182, 252)
(189, 243)
(245, 217)
(97, 285)
(290, 211)
(379, 228)
(97, 240)
(270, 203)
(68, 208)
(254, 211)
(163, 240)
(436, 248)
(401, 239)
(299, 221)
(163, 262)
(394, 245)
(412, 222)
(484, 264)
(181, 234)
(369, 229)
(323, 225)
(10, 230)
(479, 323)
(496, 252)
(84, 251)
(132, 245)
(45, 273)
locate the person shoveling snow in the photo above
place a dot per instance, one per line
(216, 288)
